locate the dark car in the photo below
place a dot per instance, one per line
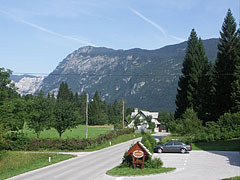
(173, 145)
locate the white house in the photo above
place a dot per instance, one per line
(142, 116)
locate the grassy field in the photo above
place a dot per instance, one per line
(228, 145)
(78, 132)
(118, 171)
(15, 163)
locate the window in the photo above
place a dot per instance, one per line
(178, 143)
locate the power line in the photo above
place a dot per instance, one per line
(113, 75)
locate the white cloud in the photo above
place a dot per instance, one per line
(47, 30)
(161, 29)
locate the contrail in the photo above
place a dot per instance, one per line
(156, 25)
(149, 21)
(45, 29)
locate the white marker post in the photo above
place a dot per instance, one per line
(49, 159)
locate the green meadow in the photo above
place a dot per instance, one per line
(78, 132)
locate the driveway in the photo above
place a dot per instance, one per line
(202, 165)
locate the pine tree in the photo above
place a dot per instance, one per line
(225, 66)
(64, 92)
(97, 115)
(236, 84)
(206, 94)
(83, 100)
(190, 82)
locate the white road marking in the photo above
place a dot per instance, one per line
(119, 178)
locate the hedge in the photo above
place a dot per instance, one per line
(19, 142)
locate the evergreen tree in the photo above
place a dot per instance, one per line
(190, 82)
(83, 100)
(206, 95)
(97, 115)
(115, 112)
(225, 67)
(236, 84)
(64, 92)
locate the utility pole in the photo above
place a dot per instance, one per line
(87, 117)
(123, 112)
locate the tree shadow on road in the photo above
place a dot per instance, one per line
(233, 157)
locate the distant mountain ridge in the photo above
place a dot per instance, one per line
(146, 79)
(27, 84)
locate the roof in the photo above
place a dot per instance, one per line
(138, 145)
(145, 113)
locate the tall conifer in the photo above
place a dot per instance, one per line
(236, 84)
(190, 82)
(225, 66)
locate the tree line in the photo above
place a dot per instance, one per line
(40, 112)
(209, 93)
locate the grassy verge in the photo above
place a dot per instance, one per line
(15, 163)
(223, 145)
(228, 145)
(118, 171)
(233, 178)
(78, 132)
(114, 141)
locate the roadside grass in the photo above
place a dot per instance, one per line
(233, 178)
(114, 141)
(120, 171)
(227, 145)
(13, 163)
(222, 145)
(78, 132)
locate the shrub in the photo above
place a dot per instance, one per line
(16, 141)
(149, 142)
(126, 161)
(187, 124)
(154, 163)
(230, 125)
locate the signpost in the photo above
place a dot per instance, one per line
(138, 153)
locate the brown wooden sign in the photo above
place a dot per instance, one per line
(138, 153)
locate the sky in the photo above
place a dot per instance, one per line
(35, 36)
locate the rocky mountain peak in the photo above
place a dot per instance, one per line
(146, 79)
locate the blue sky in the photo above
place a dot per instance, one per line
(36, 35)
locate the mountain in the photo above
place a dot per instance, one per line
(146, 79)
(26, 84)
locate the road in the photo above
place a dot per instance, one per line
(87, 166)
(92, 166)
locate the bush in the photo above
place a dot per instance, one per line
(188, 124)
(230, 125)
(149, 142)
(126, 161)
(16, 141)
(154, 163)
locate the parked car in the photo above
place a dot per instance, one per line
(173, 145)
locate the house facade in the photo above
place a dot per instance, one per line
(142, 115)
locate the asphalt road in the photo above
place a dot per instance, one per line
(92, 166)
(87, 166)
